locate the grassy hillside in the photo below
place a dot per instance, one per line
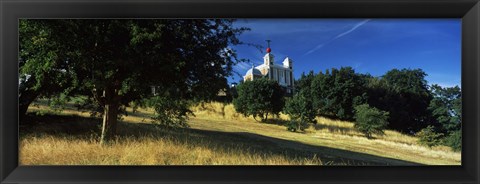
(217, 136)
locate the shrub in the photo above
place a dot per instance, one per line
(429, 137)
(170, 112)
(301, 112)
(370, 120)
(454, 140)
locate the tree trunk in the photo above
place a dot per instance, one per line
(255, 118)
(24, 100)
(109, 125)
(110, 112)
(265, 117)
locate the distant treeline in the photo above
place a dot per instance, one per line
(405, 94)
(402, 97)
(412, 104)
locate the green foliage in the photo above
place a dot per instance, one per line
(58, 102)
(43, 58)
(370, 120)
(405, 95)
(429, 137)
(334, 92)
(117, 61)
(128, 55)
(88, 104)
(446, 107)
(454, 140)
(259, 98)
(305, 81)
(300, 110)
(169, 112)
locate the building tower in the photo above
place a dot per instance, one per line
(268, 58)
(281, 73)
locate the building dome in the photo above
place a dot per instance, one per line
(254, 71)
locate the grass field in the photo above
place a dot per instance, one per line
(217, 136)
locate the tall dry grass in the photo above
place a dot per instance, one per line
(340, 127)
(341, 134)
(218, 110)
(149, 150)
(71, 138)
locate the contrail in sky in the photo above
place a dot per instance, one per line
(353, 29)
(356, 26)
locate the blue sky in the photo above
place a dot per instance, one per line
(372, 46)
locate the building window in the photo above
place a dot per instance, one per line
(288, 78)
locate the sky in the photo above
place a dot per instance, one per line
(372, 46)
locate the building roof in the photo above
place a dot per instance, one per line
(254, 71)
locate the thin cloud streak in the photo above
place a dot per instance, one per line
(351, 30)
(316, 48)
(281, 26)
(356, 26)
(243, 66)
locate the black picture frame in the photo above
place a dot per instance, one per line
(12, 10)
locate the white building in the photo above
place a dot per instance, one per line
(283, 74)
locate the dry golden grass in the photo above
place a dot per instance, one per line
(48, 143)
(335, 134)
(346, 128)
(220, 136)
(51, 150)
(218, 110)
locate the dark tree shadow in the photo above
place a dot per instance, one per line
(59, 125)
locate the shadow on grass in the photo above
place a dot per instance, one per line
(59, 125)
(84, 128)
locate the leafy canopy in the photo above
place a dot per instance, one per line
(370, 120)
(335, 93)
(446, 107)
(118, 61)
(407, 98)
(300, 110)
(259, 98)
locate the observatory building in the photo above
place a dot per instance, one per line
(283, 74)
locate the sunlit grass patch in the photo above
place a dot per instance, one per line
(146, 145)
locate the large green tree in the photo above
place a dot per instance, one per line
(259, 98)
(406, 97)
(116, 62)
(446, 107)
(305, 82)
(44, 57)
(335, 93)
